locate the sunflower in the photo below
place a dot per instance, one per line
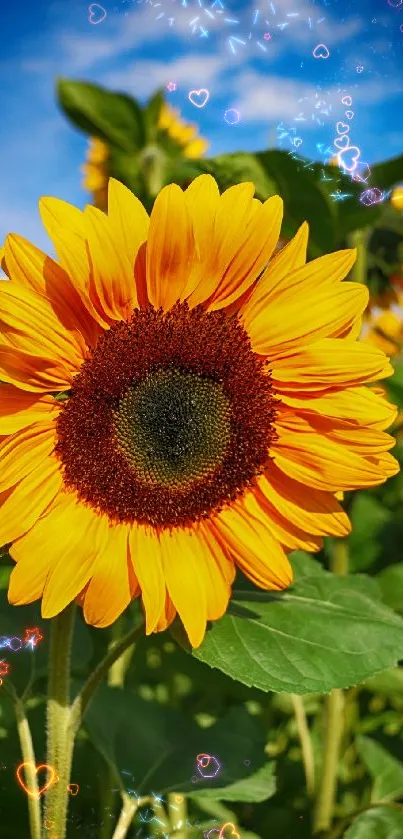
(178, 404)
(96, 168)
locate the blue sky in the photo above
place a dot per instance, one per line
(141, 45)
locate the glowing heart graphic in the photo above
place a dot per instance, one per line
(52, 777)
(199, 97)
(73, 789)
(349, 114)
(342, 142)
(227, 831)
(97, 13)
(297, 142)
(321, 51)
(347, 100)
(348, 158)
(342, 128)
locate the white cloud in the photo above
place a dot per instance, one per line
(196, 70)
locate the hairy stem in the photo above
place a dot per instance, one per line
(305, 741)
(127, 814)
(60, 738)
(334, 724)
(28, 754)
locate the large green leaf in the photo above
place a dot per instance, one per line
(381, 823)
(114, 117)
(258, 787)
(390, 581)
(304, 198)
(229, 169)
(153, 748)
(386, 771)
(323, 632)
(388, 173)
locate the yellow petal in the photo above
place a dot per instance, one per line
(145, 554)
(245, 529)
(24, 451)
(328, 363)
(170, 248)
(32, 373)
(19, 409)
(112, 270)
(74, 555)
(113, 584)
(128, 219)
(28, 500)
(304, 317)
(355, 405)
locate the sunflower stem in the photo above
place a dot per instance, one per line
(358, 239)
(177, 809)
(28, 754)
(85, 695)
(334, 724)
(60, 738)
(305, 741)
(127, 814)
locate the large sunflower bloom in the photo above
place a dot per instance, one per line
(214, 401)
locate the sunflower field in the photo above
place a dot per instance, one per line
(201, 416)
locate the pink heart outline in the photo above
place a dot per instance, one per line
(347, 100)
(321, 51)
(355, 157)
(193, 93)
(342, 125)
(349, 114)
(93, 13)
(339, 142)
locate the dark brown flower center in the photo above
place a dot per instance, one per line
(170, 418)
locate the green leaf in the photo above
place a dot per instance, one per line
(368, 517)
(258, 787)
(388, 173)
(113, 117)
(385, 770)
(230, 169)
(304, 565)
(323, 632)
(304, 198)
(390, 581)
(380, 823)
(5, 571)
(157, 746)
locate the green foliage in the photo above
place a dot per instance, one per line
(340, 634)
(377, 824)
(385, 770)
(113, 117)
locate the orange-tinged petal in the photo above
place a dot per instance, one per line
(328, 363)
(29, 499)
(317, 461)
(289, 276)
(168, 616)
(113, 584)
(128, 219)
(170, 248)
(232, 214)
(30, 325)
(253, 253)
(304, 317)
(275, 277)
(145, 554)
(112, 270)
(245, 529)
(355, 405)
(74, 555)
(24, 451)
(316, 512)
(31, 372)
(19, 409)
(33, 269)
